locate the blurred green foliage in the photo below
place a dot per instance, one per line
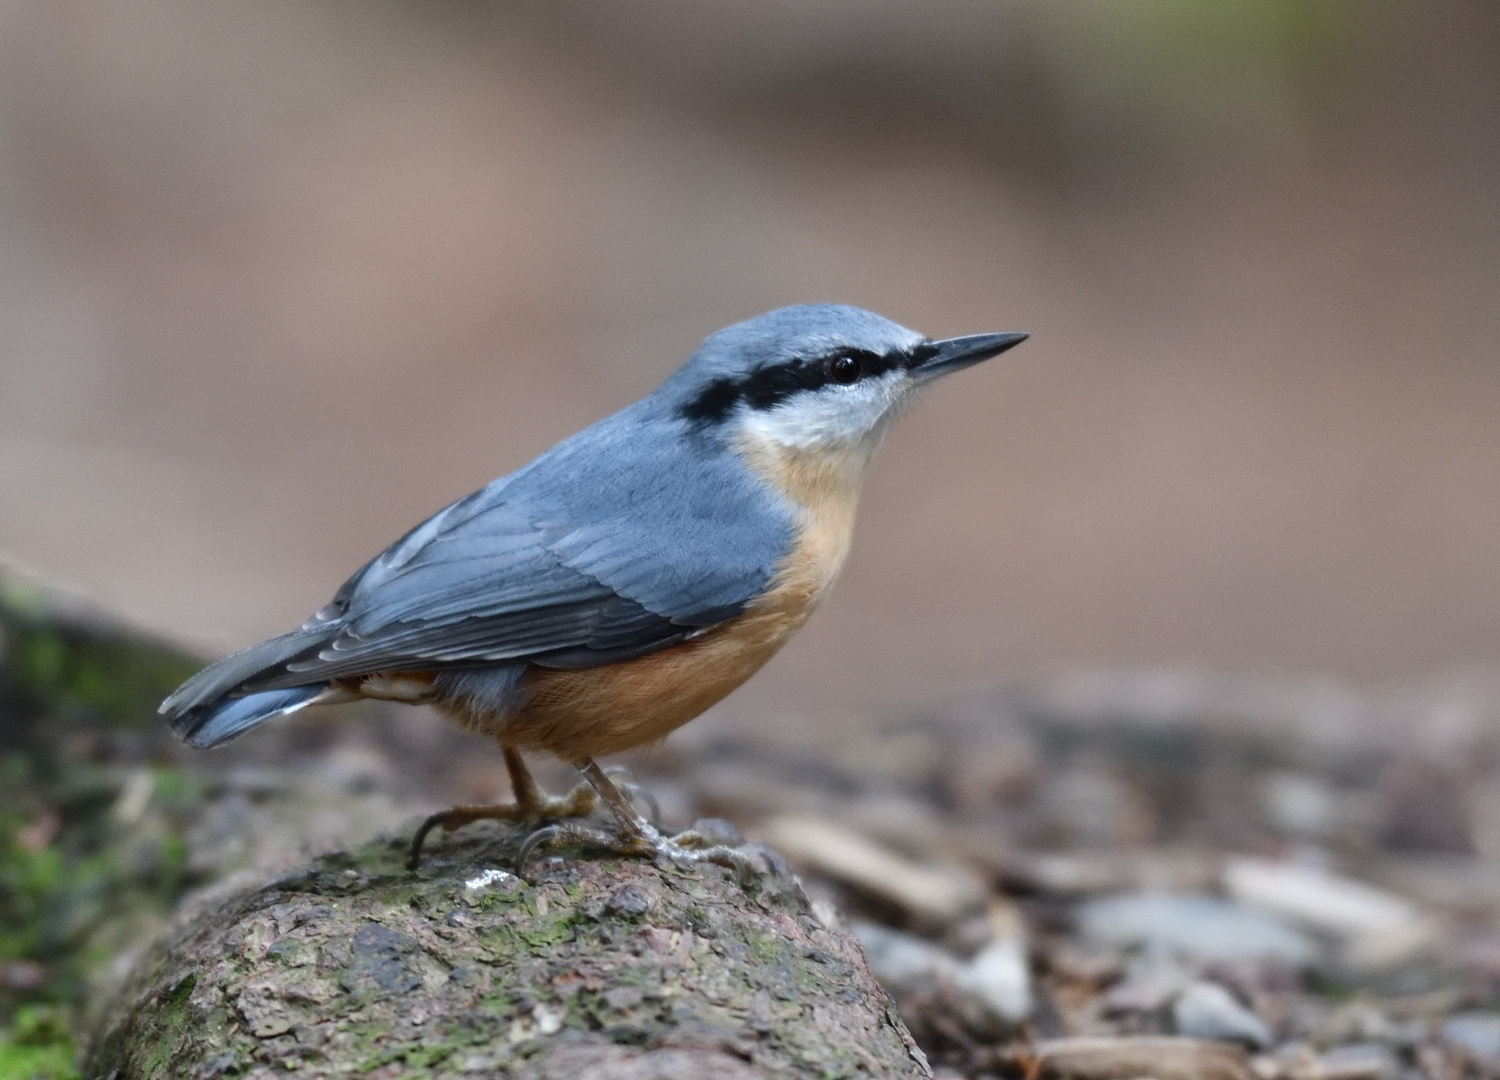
(1158, 72)
(1199, 39)
(70, 667)
(55, 896)
(91, 816)
(38, 1046)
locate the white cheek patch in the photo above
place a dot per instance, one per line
(833, 418)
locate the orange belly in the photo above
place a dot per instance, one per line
(580, 714)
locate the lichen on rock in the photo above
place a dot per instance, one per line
(584, 966)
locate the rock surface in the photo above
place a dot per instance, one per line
(586, 967)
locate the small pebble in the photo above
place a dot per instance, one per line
(549, 1018)
(490, 877)
(1378, 927)
(1200, 928)
(1206, 1010)
(901, 962)
(1478, 1033)
(997, 983)
(628, 900)
(1358, 1061)
(994, 986)
(1151, 983)
(936, 893)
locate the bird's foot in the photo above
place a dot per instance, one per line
(709, 841)
(535, 806)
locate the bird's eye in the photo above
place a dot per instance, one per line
(844, 369)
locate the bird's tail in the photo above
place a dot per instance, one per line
(211, 725)
(230, 697)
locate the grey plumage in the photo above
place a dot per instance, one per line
(623, 539)
(492, 691)
(229, 719)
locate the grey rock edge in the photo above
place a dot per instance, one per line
(587, 967)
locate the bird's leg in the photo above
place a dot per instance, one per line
(634, 793)
(630, 821)
(531, 804)
(634, 835)
(534, 803)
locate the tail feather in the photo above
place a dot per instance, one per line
(202, 711)
(211, 725)
(232, 674)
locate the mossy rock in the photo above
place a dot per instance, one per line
(585, 967)
(65, 661)
(92, 815)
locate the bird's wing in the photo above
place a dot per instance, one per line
(614, 544)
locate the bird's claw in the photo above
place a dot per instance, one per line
(580, 802)
(686, 847)
(573, 832)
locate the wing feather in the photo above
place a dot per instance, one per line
(614, 544)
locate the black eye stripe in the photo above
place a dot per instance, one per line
(767, 387)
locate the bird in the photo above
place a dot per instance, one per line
(620, 584)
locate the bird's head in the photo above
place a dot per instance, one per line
(818, 383)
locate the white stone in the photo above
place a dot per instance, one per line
(1199, 928)
(1206, 1010)
(1376, 926)
(488, 878)
(998, 980)
(930, 891)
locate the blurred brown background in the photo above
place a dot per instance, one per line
(277, 279)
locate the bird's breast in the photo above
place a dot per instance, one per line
(822, 487)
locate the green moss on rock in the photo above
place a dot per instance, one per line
(463, 969)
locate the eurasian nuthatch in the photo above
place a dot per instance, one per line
(620, 584)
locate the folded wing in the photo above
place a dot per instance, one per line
(612, 545)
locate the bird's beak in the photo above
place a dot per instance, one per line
(940, 357)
